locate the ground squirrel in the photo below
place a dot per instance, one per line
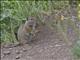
(27, 31)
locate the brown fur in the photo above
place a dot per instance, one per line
(27, 31)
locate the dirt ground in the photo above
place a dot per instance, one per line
(47, 46)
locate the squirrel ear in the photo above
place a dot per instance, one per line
(32, 18)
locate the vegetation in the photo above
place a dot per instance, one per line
(76, 47)
(76, 50)
(13, 13)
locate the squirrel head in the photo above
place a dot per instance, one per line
(31, 23)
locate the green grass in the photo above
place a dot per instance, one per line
(13, 13)
(76, 50)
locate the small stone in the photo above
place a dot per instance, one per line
(10, 48)
(2, 56)
(6, 52)
(21, 51)
(24, 49)
(18, 56)
(17, 52)
(57, 45)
